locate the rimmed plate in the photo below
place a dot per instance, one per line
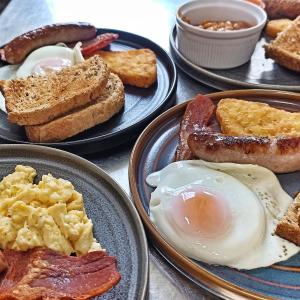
(141, 105)
(259, 72)
(154, 149)
(117, 225)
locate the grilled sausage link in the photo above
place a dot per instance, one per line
(17, 49)
(282, 8)
(279, 154)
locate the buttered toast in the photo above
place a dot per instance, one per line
(240, 117)
(100, 110)
(285, 49)
(40, 99)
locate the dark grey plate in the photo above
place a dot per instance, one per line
(117, 225)
(259, 72)
(142, 105)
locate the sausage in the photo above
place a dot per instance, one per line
(3, 263)
(278, 154)
(16, 50)
(277, 9)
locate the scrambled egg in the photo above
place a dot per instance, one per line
(50, 213)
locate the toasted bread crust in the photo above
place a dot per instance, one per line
(39, 99)
(108, 104)
(285, 49)
(288, 227)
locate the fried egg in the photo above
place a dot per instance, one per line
(40, 62)
(221, 213)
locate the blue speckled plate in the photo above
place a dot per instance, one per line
(155, 149)
(117, 225)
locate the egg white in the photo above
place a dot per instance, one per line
(257, 202)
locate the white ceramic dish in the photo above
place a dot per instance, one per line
(219, 49)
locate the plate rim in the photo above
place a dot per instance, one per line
(222, 79)
(113, 183)
(202, 277)
(168, 98)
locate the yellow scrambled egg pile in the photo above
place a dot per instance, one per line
(50, 213)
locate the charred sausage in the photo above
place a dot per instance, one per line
(16, 50)
(279, 154)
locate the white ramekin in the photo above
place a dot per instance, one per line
(218, 49)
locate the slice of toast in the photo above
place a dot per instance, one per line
(38, 99)
(107, 104)
(285, 49)
(288, 227)
(135, 67)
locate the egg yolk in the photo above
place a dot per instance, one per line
(50, 65)
(199, 213)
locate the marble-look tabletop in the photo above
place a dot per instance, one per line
(152, 19)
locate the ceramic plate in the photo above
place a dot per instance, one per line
(259, 72)
(141, 105)
(155, 149)
(117, 225)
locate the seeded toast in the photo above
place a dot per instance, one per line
(285, 49)
(100, 110)
(288, 227)
(39, 99)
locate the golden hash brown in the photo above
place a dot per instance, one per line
(240, 117)
(276, 26)
(134, 67)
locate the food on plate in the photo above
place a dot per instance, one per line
(205, 140)
(98, 111)
(41, 273)
(16, 50)
(240, 117)
(39, 99)
(222, 25)
(195, 210)
(197, 115)
(282, 8)
(135, 67)
(279, 154)
(276, 26)
(99, 42)
(48, 214)
(258, 2)
(289, 226)
(48, 59)
(285, 49)
(3, 263)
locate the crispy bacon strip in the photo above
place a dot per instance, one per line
(41, 273)
(100, 42)
(197, 115)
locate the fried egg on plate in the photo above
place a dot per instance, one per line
(40, 62)
(221, 213)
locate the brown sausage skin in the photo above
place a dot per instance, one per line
(279, 154)
(3, 263)
(277, 9)
(17, 49)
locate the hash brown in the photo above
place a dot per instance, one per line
(241, 117)
(134, 67)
